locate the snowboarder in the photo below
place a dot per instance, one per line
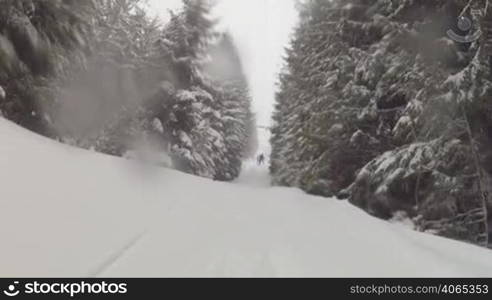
(261, 159)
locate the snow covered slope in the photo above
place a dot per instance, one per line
(68, 212)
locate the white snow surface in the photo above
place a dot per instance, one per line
(69, 212)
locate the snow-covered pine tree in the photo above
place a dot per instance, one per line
(226, 74)
(378, 104)
(102, 74)
(317, 133)
(207, 121)
(39, 40)
(125, 57)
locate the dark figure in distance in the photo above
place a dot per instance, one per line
(261, 159)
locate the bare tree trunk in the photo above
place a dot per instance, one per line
(483, 238)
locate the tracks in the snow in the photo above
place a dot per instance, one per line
(113, 258)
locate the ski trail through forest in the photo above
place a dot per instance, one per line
(195, 153)
(254, 175)
(159, 222)
(257, 174)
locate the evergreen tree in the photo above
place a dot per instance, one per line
(102, 74)
(209, 123)
(39, 40)
(204, 113)
(378, 104)
(319, 103)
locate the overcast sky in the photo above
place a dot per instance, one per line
(262, 30)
